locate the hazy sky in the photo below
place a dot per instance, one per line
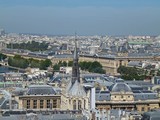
(86, 17)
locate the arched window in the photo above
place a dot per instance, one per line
(79, 104)
(74, 104)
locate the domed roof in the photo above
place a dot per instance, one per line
(117, 87)
(40, 90)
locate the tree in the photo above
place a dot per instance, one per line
(64, 63)
(94, 65)
(48, 62)
(70, 63)
(18, 61)
(158, 73)
(131, 73)
(2, 56)
(32, 46)
(56, 67)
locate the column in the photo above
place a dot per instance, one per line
(76, 104)
(45, 104)
(31, 104)
(58, 103)
(24, 103)
(38, 104)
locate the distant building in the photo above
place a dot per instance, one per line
(2, 32)
(2, 45)
(13, 77)
(40, 97)
(70, 95)
(121, 96)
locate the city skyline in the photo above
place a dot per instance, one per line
(64, 17)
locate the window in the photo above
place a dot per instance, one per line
(41, 103)
(54, 103)
(74, 105)
(142, 108)
(48, 103)
(121, 96)
(84, 104)
(128, 96)
(79, 104)
(28, 104)
(34, 104)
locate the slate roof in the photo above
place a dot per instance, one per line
(154, 115)
(77, 90)
(103, 95)
(41, 90)
(117, 87)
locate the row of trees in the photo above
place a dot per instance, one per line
(32, 46)
(18, 61)
(2, 56)
(132, 73)
(94, 67)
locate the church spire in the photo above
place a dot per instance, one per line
(75, 67)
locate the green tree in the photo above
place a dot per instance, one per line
(158, 73)
(56, 67)
(70, 63)
(32, 46)
(131, 73)
(2, 56)
(18, 61)
(48, 62)
(64, 63)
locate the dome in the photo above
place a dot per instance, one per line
(40, 90)
(117, 87)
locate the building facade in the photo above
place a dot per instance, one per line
(121, 96)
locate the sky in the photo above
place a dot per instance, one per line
(86, 17)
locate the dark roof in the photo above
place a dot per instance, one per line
(102, 97)
(154, 115)
(136, 91)
(117, 87)
(2, 100)
(41, 90)
(4, 103)
(144, 95)
(103, 92)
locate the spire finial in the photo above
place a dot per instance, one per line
(75, 67)
(75, 49)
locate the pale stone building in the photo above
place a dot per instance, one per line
(72, 96)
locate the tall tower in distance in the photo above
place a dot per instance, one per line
(75, 67)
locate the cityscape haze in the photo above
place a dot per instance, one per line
(79, 60)
(86, 17)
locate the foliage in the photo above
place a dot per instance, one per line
(32, 46)
(57, 66)
(2, 56)
(152, 72)
(18, 61)
(70, 63)
(94, 67)
(131, 73)
(158, 73)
